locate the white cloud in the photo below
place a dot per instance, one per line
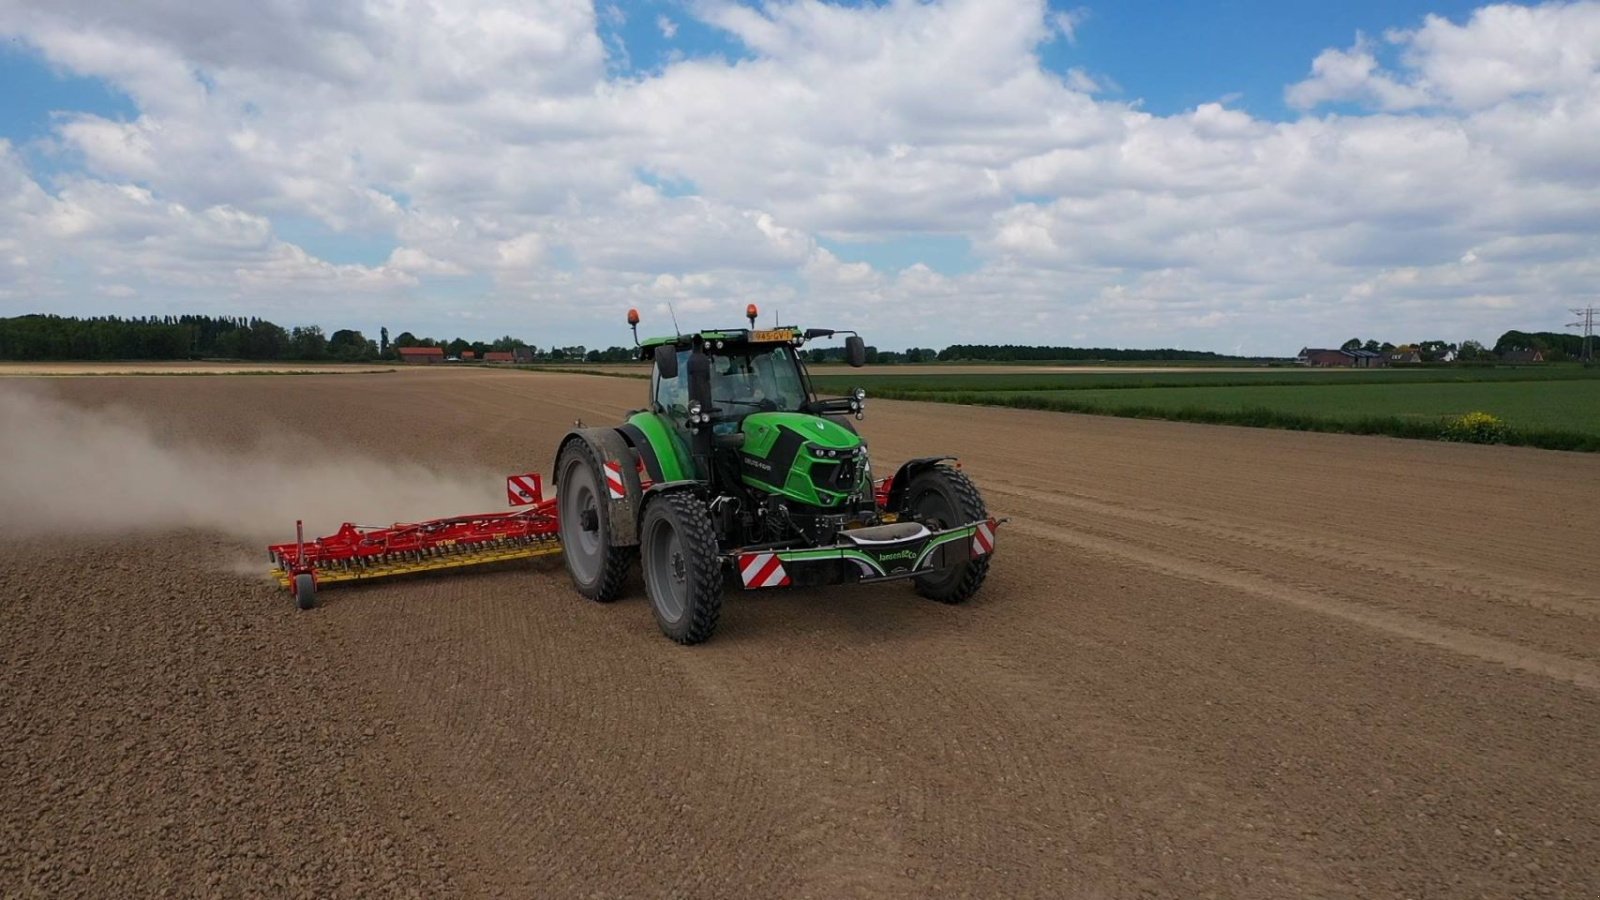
(1067, 22)
(1502, 52)
(1354, 74)
(489, 144)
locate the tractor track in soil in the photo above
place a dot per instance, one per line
(1208, 661)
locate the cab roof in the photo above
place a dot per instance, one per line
(783, 334)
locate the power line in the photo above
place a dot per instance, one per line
(1586, 322)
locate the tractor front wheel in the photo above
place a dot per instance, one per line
(944, 497)
(681, 571)
(598, 567)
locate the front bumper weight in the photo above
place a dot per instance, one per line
(884, 553)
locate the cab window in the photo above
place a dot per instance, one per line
(672, 396)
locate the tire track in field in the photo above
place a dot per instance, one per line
(1327, 549)
(1252, 581)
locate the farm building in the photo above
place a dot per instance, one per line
(420, 356)
(1522, 356)
(1357, 359)
(522, 355)
(1404, 356)
(503, 356)
(468, 355)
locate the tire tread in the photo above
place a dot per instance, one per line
(971, 508)
(700, 547)
(617, 559)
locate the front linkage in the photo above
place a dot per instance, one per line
(880, 553)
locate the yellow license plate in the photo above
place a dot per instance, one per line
(773, 334)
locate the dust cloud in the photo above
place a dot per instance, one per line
(69, 470)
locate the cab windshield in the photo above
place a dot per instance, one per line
(743, 380)
(762, 379)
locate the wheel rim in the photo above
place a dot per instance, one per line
(577, 506)
(933, 506)
(667, 570)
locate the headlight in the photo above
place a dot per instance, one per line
(696, 413)
(859, 394)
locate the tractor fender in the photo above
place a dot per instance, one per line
(685, 485)
(902, 478)
(608, 445)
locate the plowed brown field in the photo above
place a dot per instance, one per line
(1208, 662)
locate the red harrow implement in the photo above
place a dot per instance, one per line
(359, 552)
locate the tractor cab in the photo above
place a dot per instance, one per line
(745, 377)
(743, 416)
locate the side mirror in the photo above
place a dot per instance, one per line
(855, 351)
(699, 376)
(666, 357)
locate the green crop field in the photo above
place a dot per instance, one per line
(907, 380)
(1531, 405)
(1552, 406)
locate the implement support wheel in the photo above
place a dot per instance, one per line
(944, 497)
(597, 566)
(682, 572)
(305, 591)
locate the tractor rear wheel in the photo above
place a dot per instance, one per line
(682, 573)
(583, 510)
(944, 497)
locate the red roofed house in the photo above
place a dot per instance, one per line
(498, 356)
(469, 354)
(420, 355)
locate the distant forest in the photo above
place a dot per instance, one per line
(46, 337)
(42, 337)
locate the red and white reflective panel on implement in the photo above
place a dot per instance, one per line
(522, 490)
(762, 570)
(614, 480)
(983, 538)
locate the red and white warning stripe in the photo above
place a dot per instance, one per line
(614, 480)
(762, 570)
(522, 490)
(983, 538)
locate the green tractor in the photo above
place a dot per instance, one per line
(737, 468)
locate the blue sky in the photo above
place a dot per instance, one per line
(933, 167)
(35, 91)
(1169, 56)
(1174, 56)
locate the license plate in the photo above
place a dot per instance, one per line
(773, 334)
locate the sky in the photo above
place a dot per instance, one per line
(1245, 177)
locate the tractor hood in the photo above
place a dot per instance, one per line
(805, 458)
(762, 427)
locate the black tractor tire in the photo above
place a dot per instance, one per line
(682, 572)
(599, 567)
(305, 591)
(943, 496)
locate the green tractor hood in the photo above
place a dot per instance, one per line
(806, 458)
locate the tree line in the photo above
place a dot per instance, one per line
(48, 337)
(1553, 345)
(44, 337)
